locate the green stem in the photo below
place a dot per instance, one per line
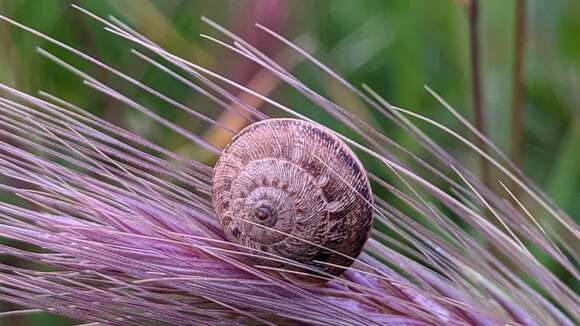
(517, 86)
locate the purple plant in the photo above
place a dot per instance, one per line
(122, 231)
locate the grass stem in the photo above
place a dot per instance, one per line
(477, 88)
(517, 86)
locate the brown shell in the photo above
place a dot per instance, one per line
(296, 178)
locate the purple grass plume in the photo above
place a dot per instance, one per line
(117, 230)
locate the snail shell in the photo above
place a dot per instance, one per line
(289, 187)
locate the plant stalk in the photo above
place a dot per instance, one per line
(517, 136)
(477, 87)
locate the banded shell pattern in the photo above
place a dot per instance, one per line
(290, 188)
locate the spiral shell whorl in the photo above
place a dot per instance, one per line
(276, 174)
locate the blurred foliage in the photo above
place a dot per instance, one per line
(394, 46)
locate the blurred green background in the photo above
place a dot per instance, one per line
(396, 46)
